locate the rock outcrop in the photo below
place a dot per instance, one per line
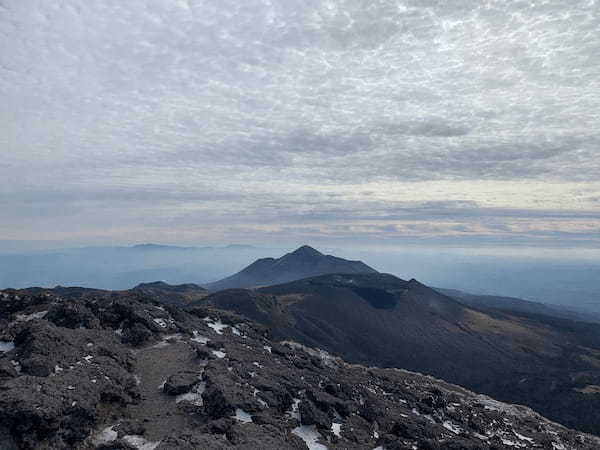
(125, 373)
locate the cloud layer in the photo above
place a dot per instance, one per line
(200, 120)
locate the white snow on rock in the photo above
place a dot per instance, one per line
(235, 331)
(328, 359)
(451, 427)
(511, 443)
(294, 413)
(6, 346)
(16, 365)
(268, 348)
(216, 325)
(310, 436)
(161, 323)
(336, 428)
(199, 338)
(523, 438)
(194, 396)
(105, 436)
(242, 416)
(219, 354)
(32, 316)
(139, 442)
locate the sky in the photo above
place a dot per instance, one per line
(371, 122)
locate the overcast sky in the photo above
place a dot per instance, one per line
(345, 121)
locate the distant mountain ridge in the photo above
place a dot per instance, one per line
(519, 305)
(304, 262)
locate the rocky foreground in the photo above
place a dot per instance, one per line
(121, 372)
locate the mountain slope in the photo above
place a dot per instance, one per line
(302, 263)
(120, 372)
(378, 319)
(512, 304)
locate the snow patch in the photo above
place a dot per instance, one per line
(6, 346)
(139, 442)
(16, 365)
(523, 438)
(216, 325)
(294, 413)
(451, 427)
(160, 322)
(28, 317)
(242, 416)
(511, 443)
(336, 428)
(328, 359)
(199, 338)
(219, 354)
(310, 436)
(194, 396)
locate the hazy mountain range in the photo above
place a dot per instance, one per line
(570, 283)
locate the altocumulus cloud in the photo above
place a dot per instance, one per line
(379, 119)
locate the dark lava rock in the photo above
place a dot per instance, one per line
(7, 369)
(7, 442)
(91, 372)
(311, 415)
(137, 334)
(180, 383)
(72, 315)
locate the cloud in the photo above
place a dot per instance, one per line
(289, 110)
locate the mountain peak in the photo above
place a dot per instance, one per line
(306, 250)
(304, 262)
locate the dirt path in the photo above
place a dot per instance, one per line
(155, 364)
